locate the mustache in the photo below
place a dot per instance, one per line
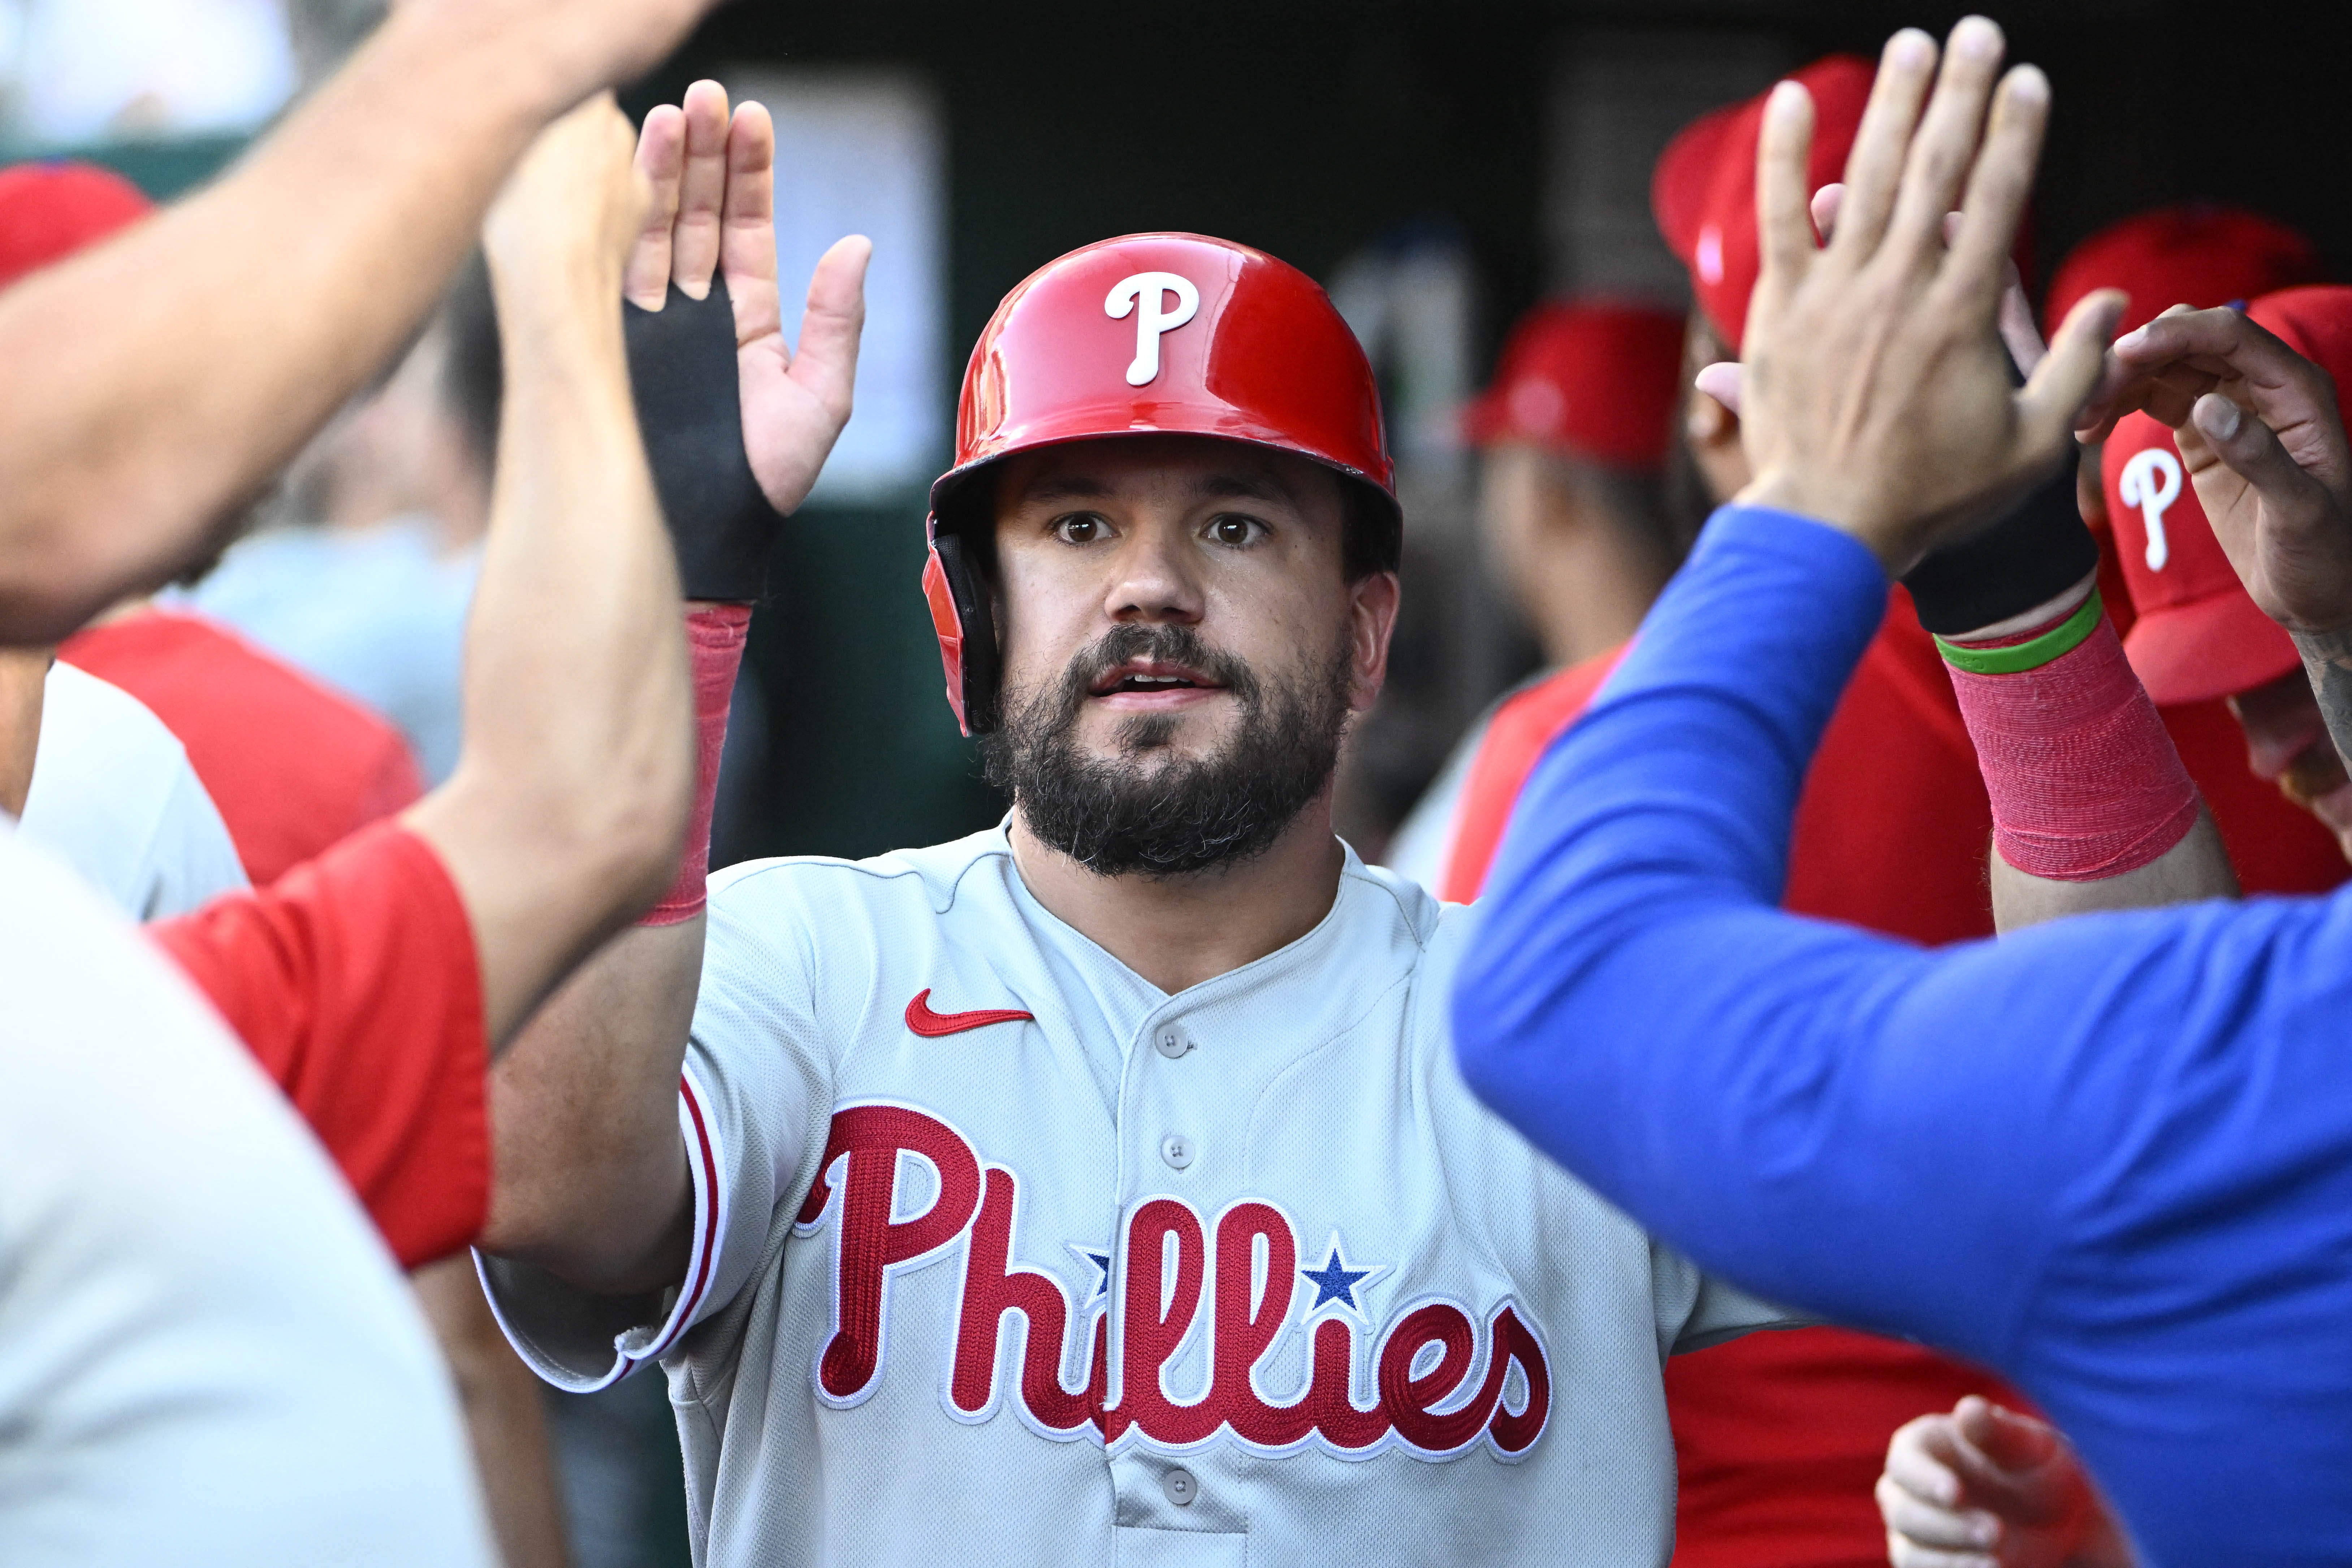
(1171, 644)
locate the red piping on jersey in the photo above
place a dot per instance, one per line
(931, 1025)
(693, 1297)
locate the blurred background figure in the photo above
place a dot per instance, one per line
(363, 568)
(1571, 441)
(113, 796)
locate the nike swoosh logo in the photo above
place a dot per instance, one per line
(924, 1021)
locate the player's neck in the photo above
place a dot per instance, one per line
(1178, 931)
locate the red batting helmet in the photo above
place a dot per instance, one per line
(1157, 333)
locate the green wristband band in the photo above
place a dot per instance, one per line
(2063, 638)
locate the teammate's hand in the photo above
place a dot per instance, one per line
(569, 48)
(1875, 396)
(713, 209)
(2024, 338)
(2263, 437)
(561, 228)
(1986, 1488)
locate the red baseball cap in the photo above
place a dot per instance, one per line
(2198, 635)
(1595, 379)
(1704, 190)
(2197, 254)
(50, 210)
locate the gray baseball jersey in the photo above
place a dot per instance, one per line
(1003, 1255)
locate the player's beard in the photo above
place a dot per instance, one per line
(1146, 810)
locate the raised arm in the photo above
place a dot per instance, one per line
(156, 382)
(1635, 1002)
(592, 1179)
(562, 818)
(2092, 807)
(372, 982)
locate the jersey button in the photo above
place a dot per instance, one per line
(1181, 1487)
(1171, 1041)
(1177, 1150)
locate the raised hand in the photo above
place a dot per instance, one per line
(566, 49)
(1986, 1488)
(2017, 331)
(1874, 394)
(565, 222)
(712, 212)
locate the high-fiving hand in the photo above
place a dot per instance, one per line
(2260, 430)
(1874, 392)
(713, 212)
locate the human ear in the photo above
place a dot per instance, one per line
(1372, 603)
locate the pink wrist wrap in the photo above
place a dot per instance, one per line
(714, 648)
(2085, 781)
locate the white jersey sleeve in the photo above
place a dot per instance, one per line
(210, 1358)
(752, 1106)
(114, 797)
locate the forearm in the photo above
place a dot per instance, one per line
(1635, 1004)
(500, 1399)
(564, 818)
(157, 383)
(2327, 660)
(590, 1176)
(2092, 807)
(2197, 867)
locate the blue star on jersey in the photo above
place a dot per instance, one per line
(1100, 1257)
(1336, 1283)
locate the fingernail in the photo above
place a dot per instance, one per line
(2217, 416)
(1976, 37)
(2028, 85)
(1788, 99)
(2134, 339)
(1910, 47)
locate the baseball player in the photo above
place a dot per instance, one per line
(202, 1333)
(2105, 1156)
(1990, 1486)
(1098, 1187)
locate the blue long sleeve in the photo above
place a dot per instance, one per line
(2110, 1156)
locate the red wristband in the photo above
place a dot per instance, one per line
(2085, 781)
(715, 635)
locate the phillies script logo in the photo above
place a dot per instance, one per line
(1440, 1376)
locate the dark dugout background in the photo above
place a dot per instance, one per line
(1310, 128)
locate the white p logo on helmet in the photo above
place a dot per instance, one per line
(1145, 295)
(2151, 481)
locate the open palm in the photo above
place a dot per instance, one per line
(713, 212)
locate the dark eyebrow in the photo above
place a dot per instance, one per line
(1064, 487)
(1242, 486)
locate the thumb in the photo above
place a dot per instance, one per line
(2054, 394)
(2246, 445)
(826, 362)
(2009, 1441)
(1721, 382)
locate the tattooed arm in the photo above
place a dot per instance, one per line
(2327, 660)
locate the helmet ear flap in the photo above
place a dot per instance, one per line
(962, 616)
